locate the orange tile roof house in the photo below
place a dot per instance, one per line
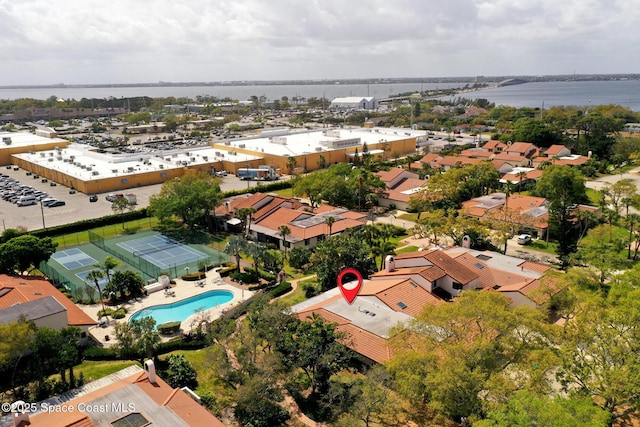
(525, 149)
(530, 212)
(40, 301)
(414, 281)
(400, 186)
(131, 397)
(494, 146)
(307, 226)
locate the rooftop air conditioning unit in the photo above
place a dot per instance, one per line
(205, 158)
(193, 159)
(57, 158)
(89, 168)
(174, 155)
(114, 170)
(318, 148)
(94, 173)
(227, 143)
(51, 154)
(50, 159)
(161, 166)
(241, 145)
(42, 154)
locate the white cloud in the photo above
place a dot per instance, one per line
(91, 41)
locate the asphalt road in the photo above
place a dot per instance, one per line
(77, 205)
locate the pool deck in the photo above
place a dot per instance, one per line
(181, 290)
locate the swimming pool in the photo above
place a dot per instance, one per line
(179, 311)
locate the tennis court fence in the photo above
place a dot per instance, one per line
(136, 260)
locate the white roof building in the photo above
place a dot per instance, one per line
(355, 102)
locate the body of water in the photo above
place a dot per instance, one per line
(241, 93)
(181, 310)
(575, 93)
(536, 94)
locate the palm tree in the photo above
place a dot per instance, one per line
(257, 251)
(284, 232)
(96, 275)
(329, 221)
(521, 175)
(245, 215)
(235, 246)
(109, 264)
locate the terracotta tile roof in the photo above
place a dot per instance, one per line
(164, 396)
(535, 266)
(533, 175)
(429, 272)
(520, 148)
(364, 342)
(390, 175)
(537, 290)
(430, 157)
(405, 189)
(283, 215)
(454, 160)
(554, 150)
(476, 152)
(566, 161)
(444, 262)
(414, 298)
(510, 157)
(493, 144)
(24, 289)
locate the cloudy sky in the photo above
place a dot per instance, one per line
(139, 41)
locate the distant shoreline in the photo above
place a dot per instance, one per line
(391, 80)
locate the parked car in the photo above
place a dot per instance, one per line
(56, 204)
(93, 198)
(111, 197)
(47, 200)
(524, 239)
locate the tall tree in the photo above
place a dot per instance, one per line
(235, 246)
(565, 189)
(284, 231)
(95, 276)
(338, 252)
(189, 198)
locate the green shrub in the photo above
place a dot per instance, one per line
(169, 328)
(192, 277)
(224, 272)
(90, 223)
(245, 277)
(281, 289)
(119, 313)
(100, 353)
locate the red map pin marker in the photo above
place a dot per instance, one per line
(349, 290)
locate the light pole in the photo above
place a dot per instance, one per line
(42, 212)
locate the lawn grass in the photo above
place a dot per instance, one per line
(543, 246)
(594, 196)
(107, 230)
(407, 249)
(95, 369)
(413, 217)
(294, 297)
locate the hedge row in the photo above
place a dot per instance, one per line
(274, 186)
(281, 289)
(87, 224)
(111, 353)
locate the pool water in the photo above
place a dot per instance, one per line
(179, 311)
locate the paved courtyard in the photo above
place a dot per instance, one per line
(181, 290)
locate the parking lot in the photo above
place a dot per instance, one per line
(77, 206)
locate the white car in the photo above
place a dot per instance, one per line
(524, 239)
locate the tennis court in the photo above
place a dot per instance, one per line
(101, 281)
(73, 258)
(162, 251)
